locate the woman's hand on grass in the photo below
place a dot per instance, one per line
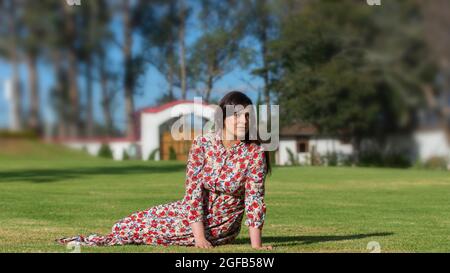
(255, 239)
(263, 248)
(199, 235)
(203, 243)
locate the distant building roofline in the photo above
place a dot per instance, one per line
(160, 108)
(91, 139)
(298, 129)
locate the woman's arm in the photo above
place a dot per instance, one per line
(199, 235)
(255, 238)
(194, 192)
(254, 198)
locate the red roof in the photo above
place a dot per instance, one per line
(298, 129)
(154, 109)
(159, 108)
(93, 139)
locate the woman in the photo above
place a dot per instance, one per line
(224, 179)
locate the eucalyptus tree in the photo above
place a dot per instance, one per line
(217, 51)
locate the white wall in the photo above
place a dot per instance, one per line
(322, 146)
(329, 145)
(93, 148)
(426, 144)
(283, 156)
(150, 123)
(149, 134)
(432, 143)
(13, 119)
(118, 149)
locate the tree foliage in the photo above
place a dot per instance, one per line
(351, 69)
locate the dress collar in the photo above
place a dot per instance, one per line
(234, 147)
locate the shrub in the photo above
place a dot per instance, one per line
(347, 161)
(105, 151)
(84, 149)
(315, 157)
(21, 134)
(293, 160)
(152, 155)
(370, 159)
(272, 160)
(436, 163)
(332, 159)
(172, 154)
(378, 159)
(125, 155)
(396, 161)
(308, 159)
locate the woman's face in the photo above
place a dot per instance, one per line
(237, 125)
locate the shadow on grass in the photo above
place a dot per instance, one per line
(56, 175)
(307, 240)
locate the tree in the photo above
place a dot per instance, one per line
(95, 21)
(137, 19)
(164, 32)
(163, 39)
(129, 78)
(10, 24)
(351, 69)
(60, 45)
(262, 25)
(71, 51)
(183, 16)
(31, 43)
(437, 23)
(217, 51)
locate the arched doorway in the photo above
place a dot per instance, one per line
(154, 140)
(173, 149)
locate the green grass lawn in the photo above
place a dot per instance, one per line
(47, 192)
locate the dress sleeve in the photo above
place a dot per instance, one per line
(255, 206)
(193, 183)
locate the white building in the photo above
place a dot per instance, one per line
(432, 143)
(298, 143)
(12, 105)
(149, 134)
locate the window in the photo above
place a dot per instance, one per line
(302, 146)
(345, 139)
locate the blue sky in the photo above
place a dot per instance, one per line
(153, 85)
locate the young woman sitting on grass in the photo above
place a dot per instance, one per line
(224, 179)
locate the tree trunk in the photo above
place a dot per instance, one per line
(72, 72)
(265, 70)
(61, 94)
(106, 100)
(73, 95)
(356, 144)
(171, 82)
(34, 119)
(263, 41)
(182, 33)
(209, 87)
(16, 95)
(129, 74)
(16, 90)
(89, 106)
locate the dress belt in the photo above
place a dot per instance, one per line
(221, 192)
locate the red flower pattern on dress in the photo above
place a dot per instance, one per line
(221, 186)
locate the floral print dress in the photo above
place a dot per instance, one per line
(221, 185)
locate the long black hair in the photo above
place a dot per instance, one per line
(238, 98)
